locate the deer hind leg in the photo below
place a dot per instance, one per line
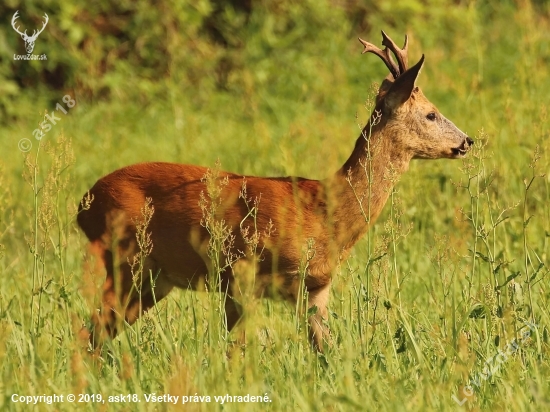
(318, 330)
(126, 294)
(144, 294)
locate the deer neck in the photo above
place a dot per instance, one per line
(364, 183)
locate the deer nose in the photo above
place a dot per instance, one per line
(469, 141)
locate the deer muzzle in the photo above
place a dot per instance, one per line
(463, 148)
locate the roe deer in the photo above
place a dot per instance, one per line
(404, 126)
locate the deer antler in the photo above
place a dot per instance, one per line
(35, 34)
(15, 17)
(400, 54)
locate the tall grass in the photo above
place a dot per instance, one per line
(445, 297)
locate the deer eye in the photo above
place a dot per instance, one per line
(431, 116)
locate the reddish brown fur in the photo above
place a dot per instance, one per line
(326, 211)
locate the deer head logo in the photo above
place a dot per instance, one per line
(29, 40)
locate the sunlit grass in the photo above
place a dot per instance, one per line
(473, 267)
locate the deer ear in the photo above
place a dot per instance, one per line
(402, 87)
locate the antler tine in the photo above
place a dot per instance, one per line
(400, 54)
(15, 17)
(48, 19)
(383, 54)
(44, 24)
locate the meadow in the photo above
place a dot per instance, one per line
(443, 306)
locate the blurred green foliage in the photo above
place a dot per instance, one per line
(141, 50)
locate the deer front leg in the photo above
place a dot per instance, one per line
(233, 312)
(234, 317)
(318, 331)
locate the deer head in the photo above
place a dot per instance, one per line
(411, 120)
(29, 40)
